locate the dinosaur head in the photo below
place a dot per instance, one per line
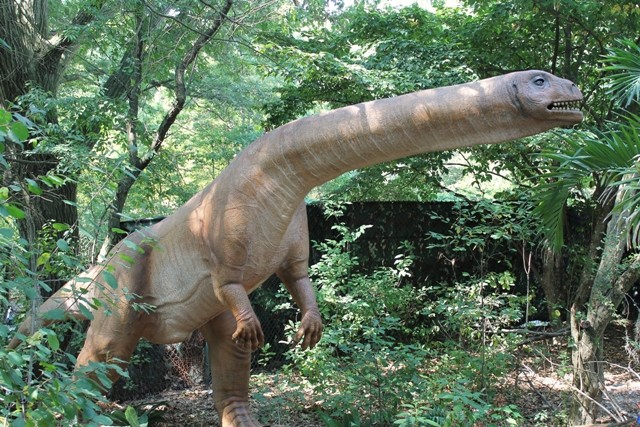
(543, 96)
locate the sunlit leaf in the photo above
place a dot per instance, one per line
(132, 417)
(19, 130)
(33, 187)
(5, 117)
(43, 259)
(53, 341)
(14, 211)
(60, 226)
(126, 258)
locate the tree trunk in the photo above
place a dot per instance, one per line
(32, 61)
(35, 59)
(591, 313)
(588, 371)
(551, 281)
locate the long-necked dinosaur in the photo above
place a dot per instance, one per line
(196, 267)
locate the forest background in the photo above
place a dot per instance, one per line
(120, 110)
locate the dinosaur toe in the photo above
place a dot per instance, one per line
(236, 413)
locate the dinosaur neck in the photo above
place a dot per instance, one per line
(313, 150)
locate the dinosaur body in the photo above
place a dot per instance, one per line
(198, 265)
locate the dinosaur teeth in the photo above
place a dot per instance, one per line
(564, 105)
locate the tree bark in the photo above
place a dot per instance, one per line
(551, 282)
(36, 59)
(591, 313)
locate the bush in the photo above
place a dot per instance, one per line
(37, 387)
(371, 369)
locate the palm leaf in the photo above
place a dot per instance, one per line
(626, 179)
(610, 157)
(624, 64)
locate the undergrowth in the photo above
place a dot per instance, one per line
(370, 369)
(37, 385)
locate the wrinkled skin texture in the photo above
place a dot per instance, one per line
(196, 267)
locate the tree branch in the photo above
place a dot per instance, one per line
(180, 89)
(63, 45)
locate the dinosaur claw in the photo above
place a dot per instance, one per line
(309, 332)
(248, 334)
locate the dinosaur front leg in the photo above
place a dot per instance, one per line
(294, 273)
(301, 290)
(248, 332)
(230, 365)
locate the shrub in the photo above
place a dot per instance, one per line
(370, 369)
(37, 387)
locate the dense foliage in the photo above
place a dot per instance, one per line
(117, 110)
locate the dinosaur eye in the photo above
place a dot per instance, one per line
(539, 81)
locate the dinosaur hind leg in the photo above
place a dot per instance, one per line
(109, 347)
(230, 365)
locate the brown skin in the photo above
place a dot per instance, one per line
(197, 266)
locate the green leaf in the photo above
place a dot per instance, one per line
(19, 130)
(15, 211)
(62, 245)
(5, 45)
(13, 377)
(53, 341)
(327, 420)
(102, 420)
(134, 246)
(7, 233)
(52, 180)
(5, 117)
(126, 258)
(104, 380)
(110, 279)
(58, 226)
(15, 358)
(131, 416)
(85, 311)
(55, 314)
(43, 259)
(624, 65)
(33, 187)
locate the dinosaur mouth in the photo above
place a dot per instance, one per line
(564, 106)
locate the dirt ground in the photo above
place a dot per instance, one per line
(539, 387)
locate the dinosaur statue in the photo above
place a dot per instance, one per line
(195, 268)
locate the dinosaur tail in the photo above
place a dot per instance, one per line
(64, 304)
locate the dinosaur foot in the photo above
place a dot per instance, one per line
(236, 413)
